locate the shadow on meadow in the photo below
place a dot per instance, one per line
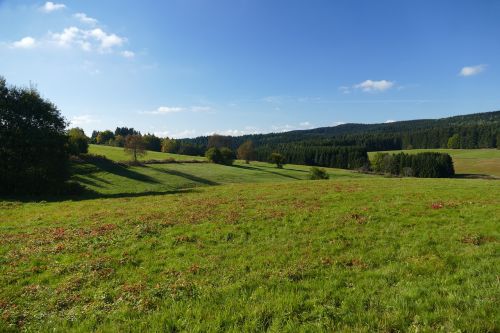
(247, 167)
(475, 176)
(187, 176)
(76, 189)
(99, 163)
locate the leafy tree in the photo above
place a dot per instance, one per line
(117, 141)
(78, 142)
(33, 150)
(277, 159)
(170, 146)
(246, 151)
(134, 145)
(316, 173)
(104, 137)
(214, 155)
(228, 156)
(220, 156)
(454, 142)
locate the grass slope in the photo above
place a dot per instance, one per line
(466, 161)
(110, 179)
(364, 255)
(118, 154)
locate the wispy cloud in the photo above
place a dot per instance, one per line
(345, 90)
(162, 110)
(82, 17)
(166, 110)
(189, 133)
(472, 70)
(24, 43)
(288, 127)
(374, 86)
(50, 7)
(388, 121)
(127, 54)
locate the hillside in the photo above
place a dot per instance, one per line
(118, 154)
(475, 130)
(111, 179)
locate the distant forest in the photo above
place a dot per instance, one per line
(480, 130)
(343, 146)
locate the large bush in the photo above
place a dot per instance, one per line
(33, 143)
(78, 142)
(318, 173)
(220, 156)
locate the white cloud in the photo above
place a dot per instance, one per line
(24, 43)
(373, 86)
(235, 132)
(287, 127)
(50, 7)
(337, 123)
(67, 36)
(388, 121)
(82, 17)
(166, 110)
(88, 39)
(175, 109)
(472, 70)
(83, 120)
(128, 54)
(107, 41)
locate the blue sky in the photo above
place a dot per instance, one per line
(185, 68)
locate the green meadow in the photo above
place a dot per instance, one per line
(118, 154)
(466, 161)
(200, 247)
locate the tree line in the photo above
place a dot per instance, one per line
(481, 130)
(424, 165)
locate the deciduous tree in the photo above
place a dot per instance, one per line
(277, 159)
(246, 151)
(134, 145)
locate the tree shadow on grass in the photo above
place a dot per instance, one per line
(284, 168)
(120, 170)
(88, 194)
(186, 176)
(247, 167)
(475, 176)
(85, 181)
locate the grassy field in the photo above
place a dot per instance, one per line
(378, 254)
(118, 154)
(467, 161)
(161, 248)
(113, 179)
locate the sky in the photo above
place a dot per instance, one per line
(185, 68)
